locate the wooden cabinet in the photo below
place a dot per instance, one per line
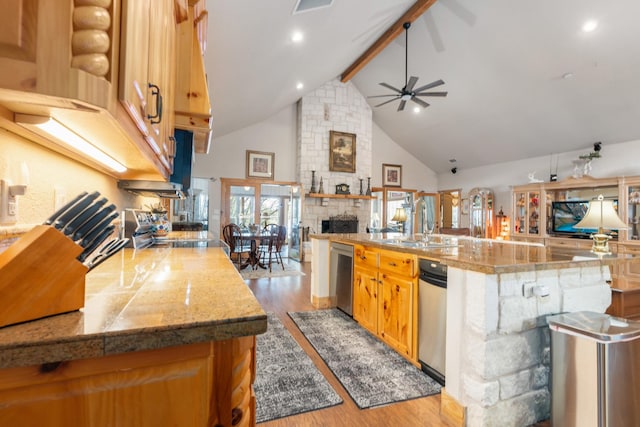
(191, 385)
(192, 104)
(88, 64)
(385, 297)
(148, 71)
(527, 218)
(62, 49)
(365, 298)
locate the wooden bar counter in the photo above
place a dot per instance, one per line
(166, 337)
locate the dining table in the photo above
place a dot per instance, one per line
(255, 239)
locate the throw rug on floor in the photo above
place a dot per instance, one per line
(287, 382)
(276, 271)
(372, 373)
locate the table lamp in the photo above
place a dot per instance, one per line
(400, 216)
(602, 216)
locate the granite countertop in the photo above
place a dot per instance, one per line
(482, 255)
(140, 300)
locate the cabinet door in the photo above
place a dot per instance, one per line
(161, 72)
(395, 319)
(134, 61)
(365, 298)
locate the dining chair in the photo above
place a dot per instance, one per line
(270, 230)
(275, 246)
(232, 235)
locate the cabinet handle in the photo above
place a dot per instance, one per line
(373, 279)
(363, 257)
(393, 264)
(155, 91)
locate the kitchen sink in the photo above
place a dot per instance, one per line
(418, 244)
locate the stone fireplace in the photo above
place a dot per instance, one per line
(339, 107)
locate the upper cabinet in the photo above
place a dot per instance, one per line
(62, 49)
(192, 105)
(147, 72)
(109, 71)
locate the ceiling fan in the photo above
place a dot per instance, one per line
(408, 93)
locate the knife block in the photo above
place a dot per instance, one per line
(40, 276)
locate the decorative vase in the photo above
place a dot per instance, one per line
(313, 182)
(361, 193)
(321, 188)
(161, 224)
(368, 186)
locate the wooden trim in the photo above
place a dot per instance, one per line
(323, 302)
(414, 12)
(451, 410)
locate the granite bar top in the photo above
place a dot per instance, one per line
(483, 255)
(139, 300)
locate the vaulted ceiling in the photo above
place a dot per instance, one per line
(523, 78)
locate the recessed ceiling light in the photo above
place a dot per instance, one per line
(567, 76)
(297, 37)
(299, 85)
(416, 110)
(589, 26)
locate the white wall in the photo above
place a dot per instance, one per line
(227, 157)
(617, 160)
(415, 175)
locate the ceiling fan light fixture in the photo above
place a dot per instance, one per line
(408, 91)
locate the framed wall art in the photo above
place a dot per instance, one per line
(342, 152)
(391, 175)
(260, 164)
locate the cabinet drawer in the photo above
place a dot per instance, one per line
(570, 243)
(398, 263)
(365, 257)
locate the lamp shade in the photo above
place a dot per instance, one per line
(602, 216)
(400, 215)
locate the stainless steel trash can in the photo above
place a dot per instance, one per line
(595, 370)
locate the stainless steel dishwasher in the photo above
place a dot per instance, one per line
(341, 275)
(432, 318)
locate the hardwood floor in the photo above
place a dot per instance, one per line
(283, 294)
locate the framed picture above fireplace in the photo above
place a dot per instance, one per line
(342, 152)
(391, 175)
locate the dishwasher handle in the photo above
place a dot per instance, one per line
(433, 280)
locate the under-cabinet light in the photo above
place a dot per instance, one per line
(49, 127)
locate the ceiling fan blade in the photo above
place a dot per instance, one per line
(432, 94)
(429, 86)
(420, 102)
(412, 82)
(402, 104)
(388, 86)
(382, 96)
(386, 102)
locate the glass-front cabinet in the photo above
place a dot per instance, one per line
(527, 216)
(633, 210)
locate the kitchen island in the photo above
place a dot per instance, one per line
(498, 297)
(166, 337)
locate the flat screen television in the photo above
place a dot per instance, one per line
(566, 214)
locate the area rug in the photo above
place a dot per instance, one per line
(287, 382)
(276, 271)
(372, 373)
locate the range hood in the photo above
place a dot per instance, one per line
(166, 190)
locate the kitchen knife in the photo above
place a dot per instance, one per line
(96, 242)
(96, 231)
(63, 209)
(75, 210)
(83, 217)
(94, 221)
(105, 254)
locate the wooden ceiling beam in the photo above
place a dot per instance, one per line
(414, 12)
